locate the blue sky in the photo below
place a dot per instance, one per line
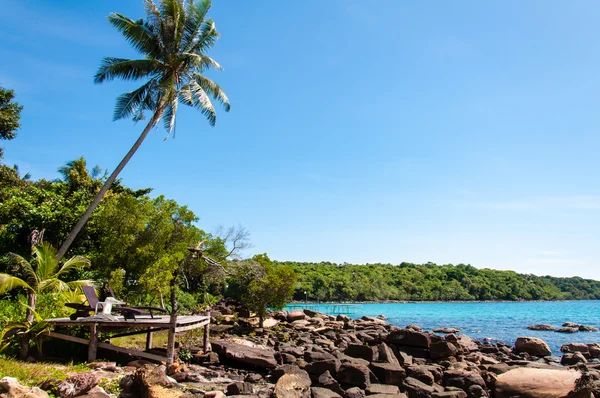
(360, 131)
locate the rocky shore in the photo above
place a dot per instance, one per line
(308, 354)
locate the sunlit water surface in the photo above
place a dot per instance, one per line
(499, 321)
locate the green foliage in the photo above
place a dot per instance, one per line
(10, 114)
(431, 282)
(115, 281)
(273, 288)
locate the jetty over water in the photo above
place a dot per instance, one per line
(328, 308)
(121, 327)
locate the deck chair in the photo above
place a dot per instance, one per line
(84, 310)
(151, 310)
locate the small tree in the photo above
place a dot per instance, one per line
(273, 289)
(42, 275)
(10, 114)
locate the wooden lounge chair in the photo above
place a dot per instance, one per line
(84, 310)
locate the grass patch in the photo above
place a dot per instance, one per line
(159, 339)
(34, 374)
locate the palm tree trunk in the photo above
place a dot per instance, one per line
(24, 349)
(73, 234)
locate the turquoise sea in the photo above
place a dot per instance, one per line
(499, 321)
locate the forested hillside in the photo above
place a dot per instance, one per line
(347, 282)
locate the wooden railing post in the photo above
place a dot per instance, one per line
(207, 333)
(93, 346)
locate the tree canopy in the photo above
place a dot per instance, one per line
(10, 115)
(427, 282)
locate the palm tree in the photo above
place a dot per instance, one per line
(43, 275)
(173, 40)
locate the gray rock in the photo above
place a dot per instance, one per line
(239, 388)
(362, 351)
(318, 367)
(409, 338)
(382, 389)
(327, 381)
(13, 388)
(78, 384)
(541, 326)
(421, 373)
(354, 375)
(417, 389)
(572, 359)
(293, 386)
(568, 330)
(386, 354)
(442, 349)
(354, 392)
(244, 355)
(388, 373)
(532, 346)
(320, 392)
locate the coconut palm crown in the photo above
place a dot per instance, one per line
(173, 41)
(44, 274)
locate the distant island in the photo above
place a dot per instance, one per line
(327, 281)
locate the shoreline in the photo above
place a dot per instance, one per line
(297, 302)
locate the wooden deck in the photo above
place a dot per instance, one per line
(141, 325)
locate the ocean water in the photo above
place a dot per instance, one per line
(499, 321)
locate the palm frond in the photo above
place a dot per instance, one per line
(75, 286)
(141, 36)
(134, 101)
(53, 285)
(195, 18)
(207, 38)
(24, 266)
(126, 69)
(173, 17)
(9, 282)
(72, 264)
(213, 89)
(170, 115)
(45, 261)
(199, 62)
(193, 95)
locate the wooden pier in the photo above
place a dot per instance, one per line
(121, 327)
(328, 308)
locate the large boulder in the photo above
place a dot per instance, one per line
(537, 383)
(388, 373)
(572, 359)
(152, 382)
(575, 347)
(386, 354)
(532, 346)
(78, 384)
(417, 389)
(13, 389)
(409, 338)
(442, 349)
(318, 367)
(362, 351)
(245, 355)
(296, 315)
(463, 341)
(294, 385)
(326, 380)
(320, 392)
(541, 326)
(354, 374)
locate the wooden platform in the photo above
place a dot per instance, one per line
(141, 325)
